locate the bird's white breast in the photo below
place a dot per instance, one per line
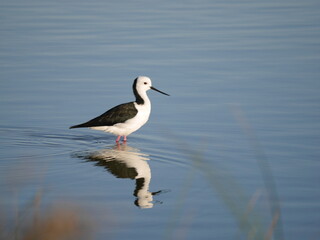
(140, 119)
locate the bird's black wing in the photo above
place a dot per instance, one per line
(118, 114)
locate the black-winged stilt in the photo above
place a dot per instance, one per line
(125, 118)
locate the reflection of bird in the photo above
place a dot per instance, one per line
(126, 118)
(127, 162)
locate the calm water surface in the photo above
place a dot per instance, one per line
(233, 149)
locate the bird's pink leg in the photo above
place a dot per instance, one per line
(124, 138)
(118, 138)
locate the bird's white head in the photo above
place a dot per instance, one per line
(140, 86)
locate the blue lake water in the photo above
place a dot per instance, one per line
(233, 153)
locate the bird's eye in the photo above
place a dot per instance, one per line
(145, 83)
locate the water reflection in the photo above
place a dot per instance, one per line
(124, 161)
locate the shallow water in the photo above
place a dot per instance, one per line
(234, 146)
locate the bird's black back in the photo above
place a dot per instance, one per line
(117, 114)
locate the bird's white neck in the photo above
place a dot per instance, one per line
(141, 97)
(144, 97)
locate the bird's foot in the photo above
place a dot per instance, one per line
(118, 139)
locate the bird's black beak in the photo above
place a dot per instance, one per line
(159, 91)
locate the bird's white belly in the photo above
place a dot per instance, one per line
(131, 125)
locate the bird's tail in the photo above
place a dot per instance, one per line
(79, 126)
